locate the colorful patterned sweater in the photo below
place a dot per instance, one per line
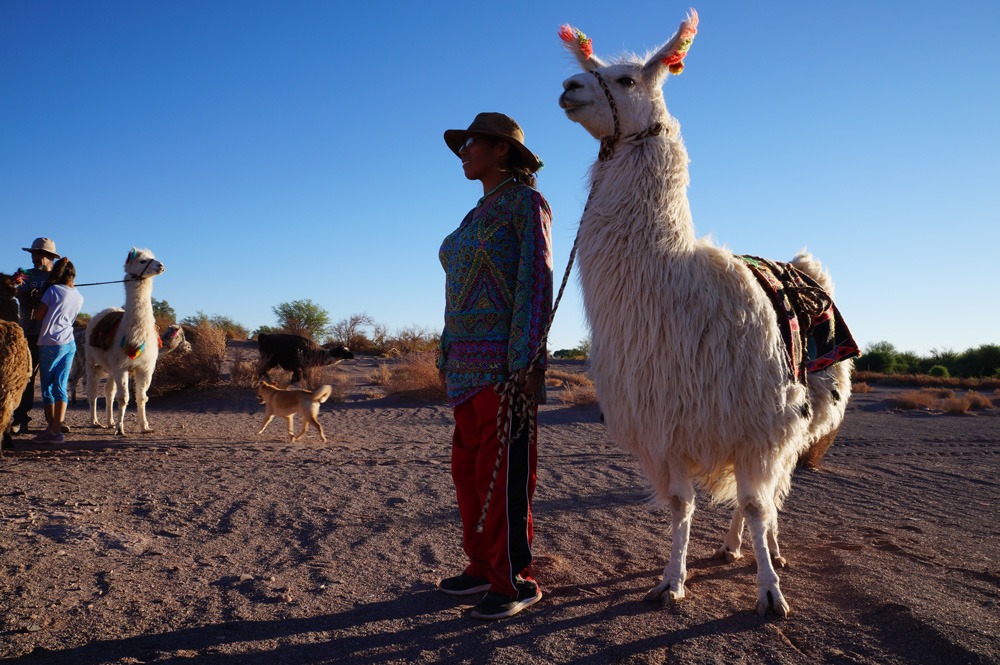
(498, 291)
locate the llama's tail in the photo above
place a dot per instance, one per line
(322, 393)
(811, 266)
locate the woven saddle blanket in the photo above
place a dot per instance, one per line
(812, 328)
(103, 334)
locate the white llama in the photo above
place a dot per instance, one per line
(691, 369)
(133, 349)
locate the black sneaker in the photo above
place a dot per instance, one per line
(463, 585)
(65, 428)
(497, 606)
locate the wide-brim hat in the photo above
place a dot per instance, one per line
(44, 245)
(497, 125)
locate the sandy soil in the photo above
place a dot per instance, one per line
(205, 542)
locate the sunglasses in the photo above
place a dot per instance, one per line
(469, 141)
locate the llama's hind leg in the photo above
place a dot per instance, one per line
(731, 547)
(761, 516)
(730, 550)
(681, 499)
(93, 380)
(772, 544)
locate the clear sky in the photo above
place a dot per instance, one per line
(275, 151)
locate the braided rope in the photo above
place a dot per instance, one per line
(608, 143)
(514, 400)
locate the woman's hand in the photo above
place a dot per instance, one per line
(530, 382)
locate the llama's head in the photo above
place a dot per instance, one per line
(635, 84)
(173, 339)
(141, 264)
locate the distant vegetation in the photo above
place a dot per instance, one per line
(230, 328)
(980, 362)
(581, 352)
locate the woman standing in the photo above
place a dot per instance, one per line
(59, 308)
(498, 268)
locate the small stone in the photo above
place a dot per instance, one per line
(32, 628)
(245, 577)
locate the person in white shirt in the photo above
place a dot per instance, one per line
(60, 305)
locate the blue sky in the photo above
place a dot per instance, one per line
(275, 151)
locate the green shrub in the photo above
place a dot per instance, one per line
(939, 371)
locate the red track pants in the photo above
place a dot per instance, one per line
(503, 550)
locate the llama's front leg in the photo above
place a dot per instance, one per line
(121, 385)
(142, 381)
(731, 546)
(671, 588)
(760, 513)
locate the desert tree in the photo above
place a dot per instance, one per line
(302, 317)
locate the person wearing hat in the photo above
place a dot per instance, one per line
(498, 299)
(31, 284)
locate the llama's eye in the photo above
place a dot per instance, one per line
(626, 81)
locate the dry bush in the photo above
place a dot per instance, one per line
(381, 376)
(579, 393)
(331, 375)
(955, 405)
(243, 374)
(915, 399)
(978, 401)
(925, 380)
(413, 339)
(416, 375)
(557, 378)
(862, 388)
(942, 400)
(940, 393)
(200, 368)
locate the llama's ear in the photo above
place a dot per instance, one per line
(580, 46)
(131, 256)
(670, 58)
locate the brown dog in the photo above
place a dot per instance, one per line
(285, 403)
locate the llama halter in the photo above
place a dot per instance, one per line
(609, 143)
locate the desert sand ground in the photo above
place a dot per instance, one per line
(204, 542)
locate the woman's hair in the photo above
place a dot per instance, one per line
(514, 164)
(63, 271)
(516, 168)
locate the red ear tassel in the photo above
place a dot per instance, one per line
(675, 61)
(568, 33)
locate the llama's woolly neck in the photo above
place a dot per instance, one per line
(639, 196)
(139, 300)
